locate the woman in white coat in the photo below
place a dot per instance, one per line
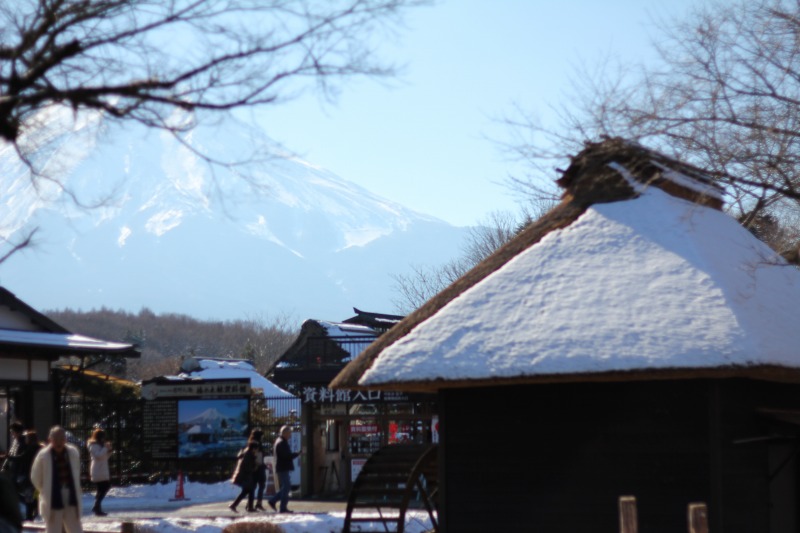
(99, 473)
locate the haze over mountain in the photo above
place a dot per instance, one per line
(271, 236)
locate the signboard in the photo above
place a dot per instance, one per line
(364, 428)
(333, 409)
(324, 395)
(195, 419)
(160, 389)
(160, 431)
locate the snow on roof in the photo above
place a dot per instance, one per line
(343, 329)
(654, 282)
(236, 368)
(708, 189)
(66, 341)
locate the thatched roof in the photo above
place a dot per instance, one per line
(713, 334)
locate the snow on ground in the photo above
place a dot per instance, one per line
(157, 498)
(289, 523)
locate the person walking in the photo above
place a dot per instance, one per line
(244, 475)
(56, 475)
(261, 470)
(284, 464)
(28, 494)
(99, 472)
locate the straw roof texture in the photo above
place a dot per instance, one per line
(613, 170)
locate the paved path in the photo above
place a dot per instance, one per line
(217, 509)
(186, 509)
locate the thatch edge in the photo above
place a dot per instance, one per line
(771, 373)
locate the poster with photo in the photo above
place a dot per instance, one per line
(215, 428)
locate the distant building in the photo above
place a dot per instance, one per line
(221, 368)
(30, 343)
(635, 340)
(342, 428)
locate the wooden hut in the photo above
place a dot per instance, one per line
(30, 343)
(633, 341)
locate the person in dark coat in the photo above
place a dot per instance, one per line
(244, 475)
(284, 464)
(261, 470)
(28, 494)
(10, 516)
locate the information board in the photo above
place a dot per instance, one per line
(195, 418)
(160, 431)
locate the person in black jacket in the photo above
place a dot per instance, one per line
(14, 466)
(10, 515)
(27, 493)
(284, 464)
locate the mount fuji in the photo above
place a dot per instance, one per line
(171, 233)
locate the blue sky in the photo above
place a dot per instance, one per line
(421, 140)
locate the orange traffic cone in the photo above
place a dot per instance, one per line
(179, 489)
(270, 488)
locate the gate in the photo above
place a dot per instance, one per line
(271, 413)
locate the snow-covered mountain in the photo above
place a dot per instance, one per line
(210, 417)
(173, 234)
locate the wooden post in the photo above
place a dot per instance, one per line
(127, 527)
(698, 517)
(628, 521)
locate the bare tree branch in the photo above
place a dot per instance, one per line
(725, 96)
(145, 60)
(424, 282)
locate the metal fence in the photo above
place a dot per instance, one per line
(123, 420)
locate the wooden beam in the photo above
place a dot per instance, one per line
(698, 517)
(628, 520)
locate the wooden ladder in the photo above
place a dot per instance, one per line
(394, 477)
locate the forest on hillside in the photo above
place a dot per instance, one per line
(166, 339)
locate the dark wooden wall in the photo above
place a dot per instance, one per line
(557, 457)
(750, 448)
(553, 458)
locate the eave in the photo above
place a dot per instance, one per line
(762, 373)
